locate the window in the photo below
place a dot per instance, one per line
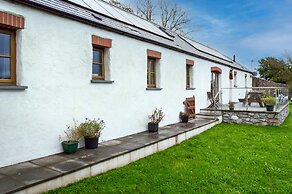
(189, 73)
(153, 70)
(151, 73)
(235, 79)
(101, 60)
(7, 57)
(98, 71)
(188, 76)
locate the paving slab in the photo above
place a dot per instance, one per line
(49, 161)
(8, 184)
(28, 173)
(94, 158)
(68, 166)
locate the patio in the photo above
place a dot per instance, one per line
(249, 107)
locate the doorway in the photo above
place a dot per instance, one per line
(215, 83)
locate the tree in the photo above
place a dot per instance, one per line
(173, 17)
(122, 6)
(165, 13)
(273, 69)
(277, 70)
(146, 9)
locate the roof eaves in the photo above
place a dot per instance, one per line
(98, 23)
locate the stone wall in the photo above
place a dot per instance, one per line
(258, 82)
(256, 118)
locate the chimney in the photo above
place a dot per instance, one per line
(234, 58)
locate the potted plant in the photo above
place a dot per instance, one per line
(231, 106)
(91, 130)
(184, 117)
(155, 118)
(71, 140)
(270, 102)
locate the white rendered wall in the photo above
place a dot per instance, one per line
(54, 60)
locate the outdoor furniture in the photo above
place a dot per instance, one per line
(253, 97)
(190, 106)
(214, 102)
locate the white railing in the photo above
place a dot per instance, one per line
(280, 94)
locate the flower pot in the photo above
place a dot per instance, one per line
(231, 108)
(153, 127)
(184, 119)
(91, 142)
(70, 147)
(270, 107)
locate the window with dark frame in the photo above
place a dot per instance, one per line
(188, 76)
(98, 69)
(7, 57)
(151, 73)
(235, 79)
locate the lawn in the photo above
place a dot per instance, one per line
(225, 159)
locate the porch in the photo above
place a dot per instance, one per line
(249, 105)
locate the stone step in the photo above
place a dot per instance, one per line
(209, 114)
(210, 111)
(206, 117)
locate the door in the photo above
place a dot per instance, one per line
(215, 84)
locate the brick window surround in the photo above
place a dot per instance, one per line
(153, 54)
(11, 21)
(101, 42)
(190, 62)
(231, 75)
(216, 70)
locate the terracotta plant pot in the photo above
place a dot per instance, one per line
(91, 143)
(70, 147)
(153, 127)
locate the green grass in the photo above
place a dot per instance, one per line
(225, 159)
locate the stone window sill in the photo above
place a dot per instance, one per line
(190, 88)
(13, 87)
(154, 89)
(102, 81)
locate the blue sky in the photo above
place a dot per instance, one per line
(250, 29)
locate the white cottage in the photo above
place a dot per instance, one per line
(64, 59)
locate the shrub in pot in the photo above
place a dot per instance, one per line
(71, 139)
(270, 102)
(90, 130)
(155, 118)
(184, 117)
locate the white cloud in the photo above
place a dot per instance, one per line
(275, 41)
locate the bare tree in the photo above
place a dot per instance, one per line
(146, 9)
(288, 57)
(173, 17)
(169, 15)
(122, 6)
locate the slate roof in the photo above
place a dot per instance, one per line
(175, 42)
